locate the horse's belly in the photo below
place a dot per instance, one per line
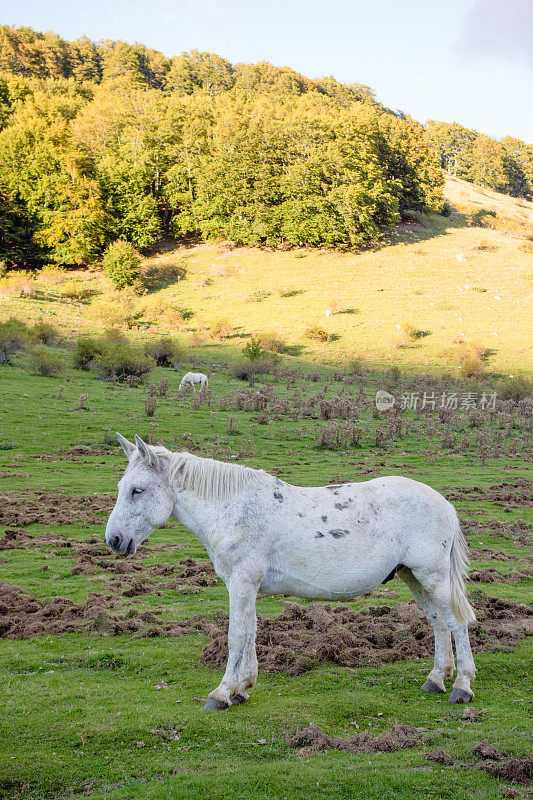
(318, 587)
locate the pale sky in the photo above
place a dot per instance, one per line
(466, 61)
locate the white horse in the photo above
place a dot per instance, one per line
(325, 543)
(191, 378)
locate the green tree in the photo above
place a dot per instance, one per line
(122, 264)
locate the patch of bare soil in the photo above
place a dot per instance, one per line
(509, 495)
(512, 770)
(75, 453)
(519, 531)
(295, 641)
(22, 617)
(440, 756)
(491, 575)
(300, 638)
(486, 554)
(398, 737)
(53, 508)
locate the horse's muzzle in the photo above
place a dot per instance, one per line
(121, 546)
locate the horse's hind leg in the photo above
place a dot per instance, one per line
(443, 665)
(440, 594)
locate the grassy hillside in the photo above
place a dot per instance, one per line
(444, 276)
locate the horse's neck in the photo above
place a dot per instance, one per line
(196, 513)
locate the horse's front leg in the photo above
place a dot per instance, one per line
(241, 669)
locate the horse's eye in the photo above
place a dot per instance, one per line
(137, 491)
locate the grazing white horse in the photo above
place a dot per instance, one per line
(324, 543)
(191, 378)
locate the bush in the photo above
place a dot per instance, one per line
(121, 264)
(85, 351)
(355, 365)
(45, 332)
(74, 289)
(118, 360)
(272, 341)
(165, 351)
(258, 296)
(338, 305)
(18, 284)
(470, 357)
(52, 276)
(116, 310)
(221, 328)
(414, 333)
(14, 336)
(516, 388)
(45, 361)
(317, 333)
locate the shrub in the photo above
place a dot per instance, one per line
(337, 305)
(118, 360)
(288, 291)
(14, 336)
(516, 388)
(52, 276)
(165, 351)
(414, 333)
(121, 264)
(150, 405)
(272, 341)
(74, 289)
(166, 315)
(116, 310)
(18, 284)
(221, 328)
(45, 332)
(355, 365)
(410, 215)
(258, 296)
(86, 349)
(470, 357)
(317, 333)
(45, 361)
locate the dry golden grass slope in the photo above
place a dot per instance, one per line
(454, 280)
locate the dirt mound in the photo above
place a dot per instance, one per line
(22, 616)
(519, 531)
(295, 641)
(300, 638)
(509, 495)
(75, 453)
(492, 575)
(440, 757)
(513, 770)
(53, 508)
(487, 554)
(398, 737)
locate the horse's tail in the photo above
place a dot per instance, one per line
(462, 610)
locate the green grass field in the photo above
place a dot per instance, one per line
(88, 712)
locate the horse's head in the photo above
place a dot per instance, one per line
(145, 499)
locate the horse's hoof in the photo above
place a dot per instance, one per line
(461, 696)
(214, 705)
(430, 686)
(237, 699)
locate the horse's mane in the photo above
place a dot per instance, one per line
(211, 479)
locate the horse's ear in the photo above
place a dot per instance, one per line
(128, 447)
(146, 452)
